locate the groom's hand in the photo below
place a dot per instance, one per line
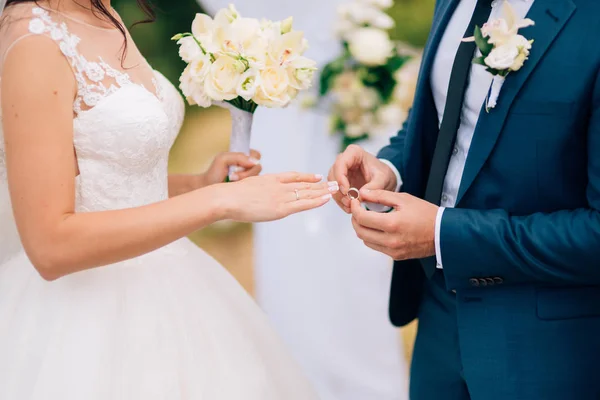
(357, 168)
(406, 233)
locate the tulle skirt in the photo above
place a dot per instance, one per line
(170, 325)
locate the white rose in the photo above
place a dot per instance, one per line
(202, 29)
(189, 49)
(199, 68)
(354, 131)
(343, 27)
(226, 16)
(379, 3)
(366, 14)
(370, 46)
(406, 83)
(381, 20)
(502, 57)
(368, 98)
(273, 88)
(375, 18)
(302, 71)
(287, 25)
(192, 90)
(391, 115)
(286, 48)
(223, 78)
(248, 84)
(244, 38)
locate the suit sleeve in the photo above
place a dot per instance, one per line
(562, 247)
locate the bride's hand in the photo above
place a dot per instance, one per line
(219, 169)
(272, 197)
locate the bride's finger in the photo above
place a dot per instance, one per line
(313, 186)
(305, 205)
(291, 177)
(322, 191)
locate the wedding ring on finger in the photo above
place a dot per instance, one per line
(353, 194)
(297, 192)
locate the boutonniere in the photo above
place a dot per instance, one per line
(502, 49)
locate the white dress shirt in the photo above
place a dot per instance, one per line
(478, 86)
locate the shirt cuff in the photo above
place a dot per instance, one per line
(395, 171)
(438, 229)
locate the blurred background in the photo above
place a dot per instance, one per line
(206, 131)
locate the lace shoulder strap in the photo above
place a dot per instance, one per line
(95, 79)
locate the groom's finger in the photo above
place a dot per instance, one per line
(344, 162)
(341, 200)
(368, 234)
(384, 197)
(371, 219)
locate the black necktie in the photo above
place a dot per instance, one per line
(452, 113)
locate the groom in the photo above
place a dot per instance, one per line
(496, 229)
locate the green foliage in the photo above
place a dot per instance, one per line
(413, 21)
(330, 72)
(482, 42)
(382, 78)
(347, 140)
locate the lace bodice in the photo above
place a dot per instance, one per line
(122, 130)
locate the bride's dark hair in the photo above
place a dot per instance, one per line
(100, 10)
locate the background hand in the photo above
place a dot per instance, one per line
(219, 169)
(358, 168)
(406, 233)
(272, 197)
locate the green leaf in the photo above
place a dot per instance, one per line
(180, 36)
(382, 80)
(396, 62)
(328, 75)
(240, 103)
(482, 42)
(479, 61)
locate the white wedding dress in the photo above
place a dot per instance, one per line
(323, 289)
(170, 325)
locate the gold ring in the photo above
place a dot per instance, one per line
(353, 190)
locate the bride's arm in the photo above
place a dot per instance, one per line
(37, 96)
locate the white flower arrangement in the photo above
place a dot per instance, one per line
(502, 49)
(371, 85)
(243, 61)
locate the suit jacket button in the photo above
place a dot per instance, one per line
(490, 281)
(474, 282)
(483, 282)
(498, 281)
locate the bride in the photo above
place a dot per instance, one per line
(101, 296)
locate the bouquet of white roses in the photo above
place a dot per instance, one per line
(371, 85)
(242, 63)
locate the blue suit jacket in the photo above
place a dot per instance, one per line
(528, 209)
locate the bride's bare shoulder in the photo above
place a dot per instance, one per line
(25, 25)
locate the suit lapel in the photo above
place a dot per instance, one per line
(550, 17)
